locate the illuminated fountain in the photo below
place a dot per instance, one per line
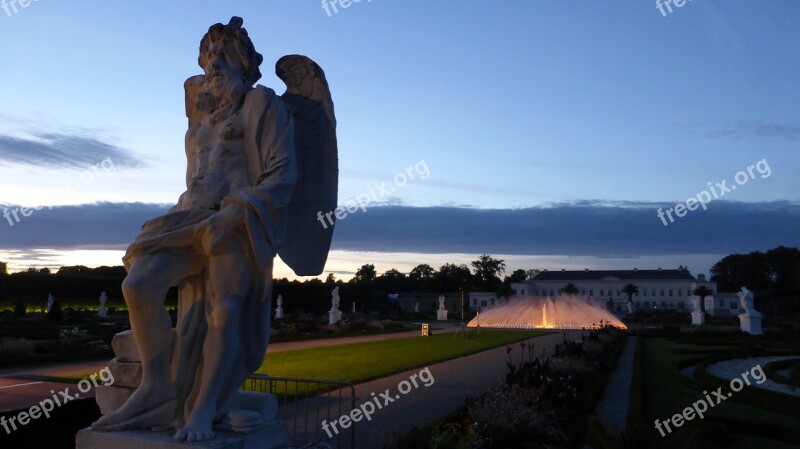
(527, 312)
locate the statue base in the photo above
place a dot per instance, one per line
(441, 315)
(751, 323)
(698, 318)
(273, 435)
(334, 316)
(279, 313)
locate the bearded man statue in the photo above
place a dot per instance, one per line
(259, 168)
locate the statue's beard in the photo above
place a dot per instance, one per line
(221, 100)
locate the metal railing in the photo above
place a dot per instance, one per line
(305, 403)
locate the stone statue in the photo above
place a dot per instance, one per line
(750, 319)
(416, 307)
(630, 308)
(441, 314)
(102, 312)
(746, 300)
(354, 307)
(259, 168)
(50, 301)
(279, 313)
(334, 315)
(335, 299)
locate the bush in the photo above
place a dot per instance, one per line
(20, 310)
(55, 315)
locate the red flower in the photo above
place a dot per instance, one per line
(508, 349)
(523, 345)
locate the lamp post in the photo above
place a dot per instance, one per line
(462, 304)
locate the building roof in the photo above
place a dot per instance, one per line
(625, 275)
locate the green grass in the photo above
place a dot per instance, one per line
(360, 362)
(667, 392)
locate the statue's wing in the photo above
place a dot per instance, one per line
(310, 223)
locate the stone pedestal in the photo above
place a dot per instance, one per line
(441, 315)
(126, 369)
(273, 435)
(334, 316)
(279, 313)
(751, 323)
(698, 318)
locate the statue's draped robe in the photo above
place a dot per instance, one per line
(272, 168)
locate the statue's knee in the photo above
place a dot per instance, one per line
(134, 288)
(226, 312)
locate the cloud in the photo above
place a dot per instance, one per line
(586, 228)
(63, 150)
(745, 128)
(70, 226)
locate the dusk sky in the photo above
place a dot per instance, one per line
(546, 133)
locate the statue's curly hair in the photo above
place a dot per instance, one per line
(235, 34)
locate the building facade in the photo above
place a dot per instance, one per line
(659, 290)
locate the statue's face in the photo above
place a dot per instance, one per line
(221, 63)
(224, 84)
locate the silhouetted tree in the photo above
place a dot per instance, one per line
(630, 290)
(488, 271)
(451, 277)
(421, 275)
(532, 273)
(518, 276)
(365, 274)
(570, 289)
(703, 291)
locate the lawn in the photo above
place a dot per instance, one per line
(361, 362)
(742, 419)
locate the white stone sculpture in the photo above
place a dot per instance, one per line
(630, 308)
(260, 167)
(441, 314)
(279, 310)
(50, 301)
(698, 316)
(750, 320)
(102, 312)
(334, 315)
(416, 307)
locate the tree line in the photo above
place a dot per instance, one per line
(777, 268)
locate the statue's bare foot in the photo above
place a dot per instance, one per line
(198, 427)
(150, 405)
